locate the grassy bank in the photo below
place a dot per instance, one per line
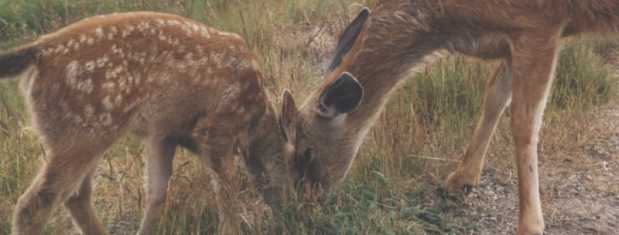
(411, 149)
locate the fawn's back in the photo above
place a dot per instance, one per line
(149, 71)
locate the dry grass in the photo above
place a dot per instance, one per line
(417, 139)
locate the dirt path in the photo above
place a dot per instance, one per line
(580, 190)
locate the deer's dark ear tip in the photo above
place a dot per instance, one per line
(365, 11)
(364, 14)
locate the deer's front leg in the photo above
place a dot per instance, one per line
(497, 96)
(533, 64)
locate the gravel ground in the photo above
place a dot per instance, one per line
(579, 189)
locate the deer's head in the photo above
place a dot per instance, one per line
(319, 136)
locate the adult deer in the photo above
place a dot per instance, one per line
(402, 36)
(172, 81)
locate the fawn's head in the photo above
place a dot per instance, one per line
(281, 154)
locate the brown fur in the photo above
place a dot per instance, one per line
(172, 81)
(402, 36)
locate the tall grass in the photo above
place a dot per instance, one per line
(425, 126)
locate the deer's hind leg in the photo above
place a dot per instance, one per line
(69, 160)
(497, 96)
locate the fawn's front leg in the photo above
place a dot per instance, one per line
(218, 145)
(226, 192)
(159, 158)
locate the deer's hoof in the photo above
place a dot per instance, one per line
(457, 182)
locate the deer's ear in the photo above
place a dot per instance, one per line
(348, 38)
(341, 97)
(289, 117)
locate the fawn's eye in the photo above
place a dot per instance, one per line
(304, 161)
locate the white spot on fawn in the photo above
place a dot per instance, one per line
(99, 32)
(89, 111)
(109, 86)
(160, 22)
(48, 51)
(162, 37)
(72, 71)
(128, 29)
(59, 49)
(122, 83)
(189, 56)
(107, 103)
(83, 38)
(90, 66)
(106, 119)
(70, 43)
(174, 22)
(119, 100)
(85, 86)
(143, 26)
(102, 61)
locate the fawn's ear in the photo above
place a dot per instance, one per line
(348, 38)
(289, 117)
(341, 97)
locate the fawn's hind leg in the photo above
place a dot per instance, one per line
(497, 96)
(58, 178)
(82, 211)
(159, 157)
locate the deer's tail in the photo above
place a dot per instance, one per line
(16, 61)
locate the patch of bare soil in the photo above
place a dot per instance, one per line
(579, 187)
(585, 193)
